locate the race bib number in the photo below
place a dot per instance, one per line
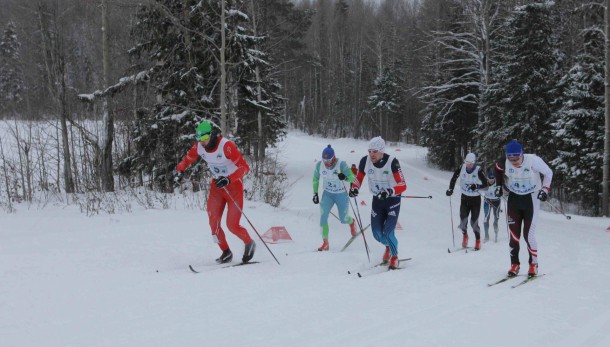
(333, 186)
(219, 170)
(522, 186)
(379, 186)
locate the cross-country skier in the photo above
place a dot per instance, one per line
(471, 180)
(491, 205)
(520, 174)
(228, 167)
(333, 173)
(386, 182)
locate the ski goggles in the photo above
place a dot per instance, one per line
(513, 157)
(329, 160)
(203, 137)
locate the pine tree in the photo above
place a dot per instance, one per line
(256, 77)
(520, 102)
(387, 103)
(12, 85)
(182, 39)
(579, 127)
(451, 110)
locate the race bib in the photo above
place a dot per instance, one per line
(219, 170)
(522, 186)
(333, 186)
(379, 186)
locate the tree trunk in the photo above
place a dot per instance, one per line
(107, 137)
(223, 72)
(260, 153)
(55, 68)
(606, 174)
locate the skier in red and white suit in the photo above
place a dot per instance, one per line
(228, 167)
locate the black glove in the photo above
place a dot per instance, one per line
(177, 177)
(449, 192)
(542, 195)
(384, 194)
(222, 181)
(342, 176)
(498, 192)
(316, 200)
(472, 187)
(353, 192)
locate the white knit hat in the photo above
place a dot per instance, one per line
(470, 158)
(377, 144)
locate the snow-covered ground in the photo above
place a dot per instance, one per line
(123, 280)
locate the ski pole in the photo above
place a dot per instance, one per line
(452, 231)
(416, 197)
(242, 212)
(359, 220)
(558, 210)
(334, 215)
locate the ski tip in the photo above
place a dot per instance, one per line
(448, 250)
(193, 270)
(359, 275)
(349, 272)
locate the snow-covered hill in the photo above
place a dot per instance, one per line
(123, 280)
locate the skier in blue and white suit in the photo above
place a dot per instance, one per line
(333, 173)
(386, 182)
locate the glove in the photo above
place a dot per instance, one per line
(341, 176)
(353, 192)
(472, 187)
(498, 192)
(222, 181)
(385, 194)
(449, 192)
(542, 195)
(177, 177)
(316, 200)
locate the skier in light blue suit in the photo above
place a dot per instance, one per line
(333, 173)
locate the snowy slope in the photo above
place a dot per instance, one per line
(123, 280)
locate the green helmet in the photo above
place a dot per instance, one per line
(204, 128)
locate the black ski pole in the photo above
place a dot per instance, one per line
(559, 210)
(416, 197)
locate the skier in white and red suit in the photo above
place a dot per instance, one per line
(386, 183)
(228, 167)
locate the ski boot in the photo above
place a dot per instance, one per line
(352, 228)
(393, 263)
(533, 271)
(248, 251)
(225, 257)
(513, 271)
(465, 240)
(386, 255)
